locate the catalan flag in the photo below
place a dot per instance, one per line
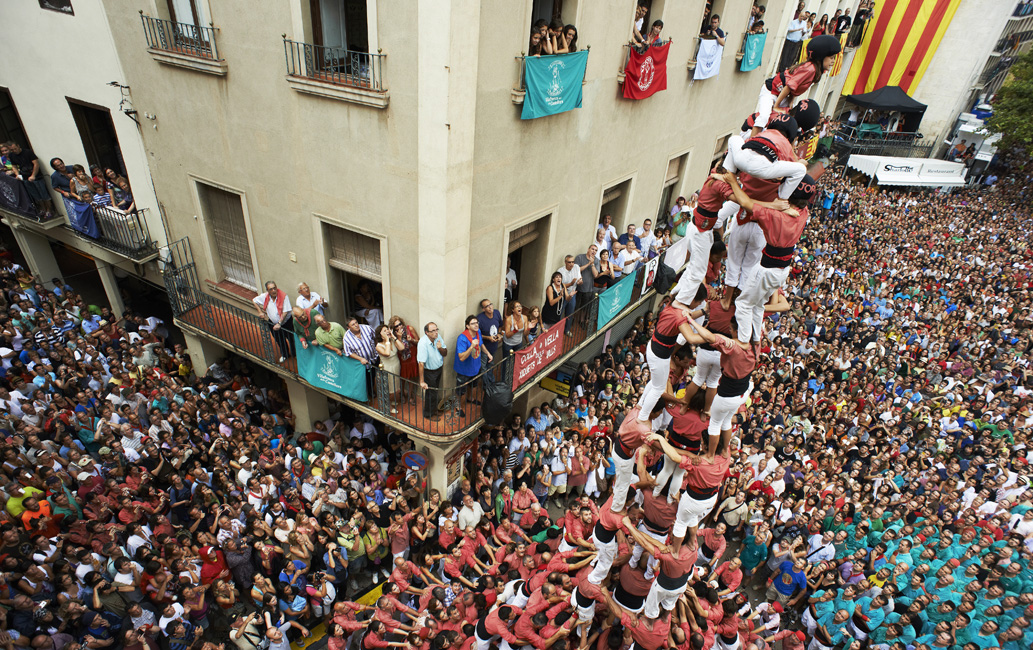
(837, 64)
(899, 43)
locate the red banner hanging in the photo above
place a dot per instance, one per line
(545, 349)
(646, 74)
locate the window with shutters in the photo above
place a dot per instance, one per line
(228, 234)
(354, 253)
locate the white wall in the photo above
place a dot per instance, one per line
(958, 62)
(51, 56)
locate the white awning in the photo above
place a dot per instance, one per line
(916, 172)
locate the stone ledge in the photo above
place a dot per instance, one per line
(353, 94)
(199, 64)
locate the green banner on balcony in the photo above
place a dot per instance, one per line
(324, 369)
(753, 51)
(553, 83)
(614, 299)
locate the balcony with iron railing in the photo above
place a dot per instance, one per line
(1023, 9)
(121, 232)
(396, 401)
(1010, 43)
(870, 140)
(337, 73)
(183, 45)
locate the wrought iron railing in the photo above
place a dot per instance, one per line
(125, 233)
(851, 140)
(627, 50)
(698, 40)
(335, 65)
(182, 38)
(1010, 43)
(396, 399)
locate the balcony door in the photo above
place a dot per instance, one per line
(191, 22)
(340, 24)
(97, 132)
(189, 12)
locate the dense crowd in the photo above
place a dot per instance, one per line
(876, 490)
(820, 439)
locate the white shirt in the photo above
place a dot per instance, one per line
(470, 516)
(610, 236)
(796, 30)
(648, 239)
(306, 303)
(271, 312)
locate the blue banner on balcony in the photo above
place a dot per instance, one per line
(324, 369)
(80, 218)
(553, 83)
(614, 299)
(753, 51)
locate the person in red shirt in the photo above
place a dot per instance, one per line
(632, 435)
(648, 633)
(675, 569)
(728, 576)
(704, 475)
(778, 92)
(658, 513)
(698, 242)
(529, 626)
(782, 230)
(769, 155)
(674, 325)
(495, 626)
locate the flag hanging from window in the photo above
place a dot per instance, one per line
(898, 44)
(708, 59)
(553, 83)
(753, 51)
(646, 73)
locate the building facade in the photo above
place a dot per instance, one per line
(63, 94)
(370, 147)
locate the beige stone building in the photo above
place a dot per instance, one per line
(345, 143)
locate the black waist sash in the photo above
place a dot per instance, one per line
(604, 534)
(732, 386)
(776, 257)
(669, 583)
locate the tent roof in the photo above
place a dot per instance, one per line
(888, 98)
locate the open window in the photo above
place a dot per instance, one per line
(340, 25)
(527, 251)
(719, 151)
(545, 12)
(97, 132)
(11, 129)
(356, 259)
(672, 183)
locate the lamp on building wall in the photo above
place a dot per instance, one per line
(126, 104)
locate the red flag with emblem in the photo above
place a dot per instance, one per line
(646, 73)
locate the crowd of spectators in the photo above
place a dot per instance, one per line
(875, 493)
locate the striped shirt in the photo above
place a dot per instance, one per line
(361, 345)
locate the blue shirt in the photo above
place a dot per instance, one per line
(472, 365)
(427, 353)
(797, 580)
(490, 327)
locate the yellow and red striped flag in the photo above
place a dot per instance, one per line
(837, 64)
(900, 42)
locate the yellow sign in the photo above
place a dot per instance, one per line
(554, 386)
